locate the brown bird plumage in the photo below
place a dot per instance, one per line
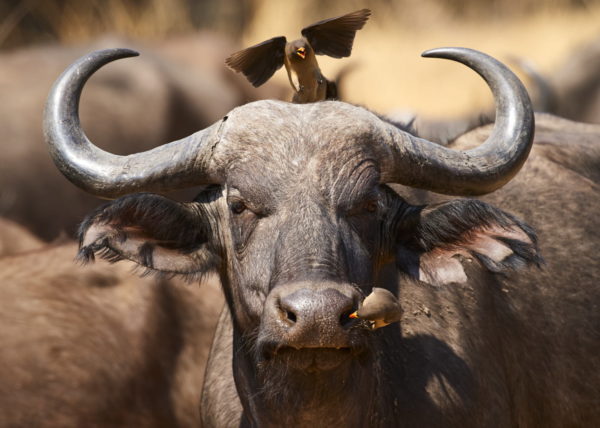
(333, 37)
(380, 308)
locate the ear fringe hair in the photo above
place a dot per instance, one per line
(162, 217)
(88, 254)
(85, 255)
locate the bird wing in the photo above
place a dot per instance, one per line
(334, 36)
(259, 62)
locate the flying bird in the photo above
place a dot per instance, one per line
(333, 37)
(380, 308)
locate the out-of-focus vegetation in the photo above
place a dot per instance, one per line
(390, 75)
(29, 21)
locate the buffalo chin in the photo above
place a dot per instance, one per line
(315, 385)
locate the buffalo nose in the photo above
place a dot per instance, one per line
(317, 316)
(328, 306)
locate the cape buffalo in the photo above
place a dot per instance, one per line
(100, 347)
(301, 216)
(572, 90)
(576, 84)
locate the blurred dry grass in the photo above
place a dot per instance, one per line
(71, 21)
(76, 21)
(390, 75)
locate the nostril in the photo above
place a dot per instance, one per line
(291, 317)
(288, 311)
(287, 314)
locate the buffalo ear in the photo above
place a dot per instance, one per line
(155, 232)
(436, 238)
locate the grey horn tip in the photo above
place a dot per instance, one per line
(118, 53)
(445, 52)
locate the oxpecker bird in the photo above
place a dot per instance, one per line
(333, 37)
(380, 308)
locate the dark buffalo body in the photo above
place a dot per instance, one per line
(304, 211)
(572, 90)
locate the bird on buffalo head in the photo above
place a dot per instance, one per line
(333, 37)
(379, 308)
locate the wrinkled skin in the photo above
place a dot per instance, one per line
(98, 346)
(173, 90)
(303, 211)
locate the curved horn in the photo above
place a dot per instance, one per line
(179, 164)
(420, 163)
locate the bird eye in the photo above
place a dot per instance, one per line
(238, 207)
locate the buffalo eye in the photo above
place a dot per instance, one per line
(364, 208)
(371, 206)
(238, 207)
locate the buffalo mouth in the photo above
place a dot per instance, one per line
(310, 360)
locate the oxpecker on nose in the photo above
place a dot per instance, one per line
(333, 37)
(380, 308)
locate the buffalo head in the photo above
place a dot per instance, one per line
(297, 218)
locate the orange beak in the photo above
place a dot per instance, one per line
(301, 52)
(353, 315)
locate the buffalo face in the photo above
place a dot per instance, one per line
(299, 234)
